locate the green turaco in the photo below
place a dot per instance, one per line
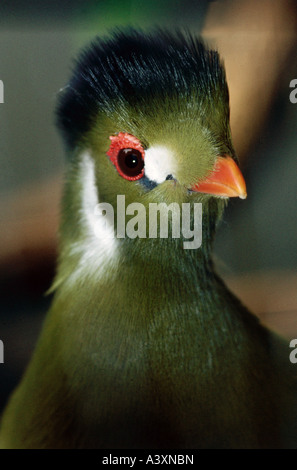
(144, 346)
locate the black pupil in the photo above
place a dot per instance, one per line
(130, 162)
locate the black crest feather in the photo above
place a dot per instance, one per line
(132, 66)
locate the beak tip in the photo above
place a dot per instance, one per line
(226, 180)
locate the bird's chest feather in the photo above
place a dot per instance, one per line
(173, 368)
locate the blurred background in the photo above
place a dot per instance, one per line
(255, 249)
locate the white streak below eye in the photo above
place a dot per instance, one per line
(159, 162)
(98, 249)
(97, 226)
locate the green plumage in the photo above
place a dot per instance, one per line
(144, 346)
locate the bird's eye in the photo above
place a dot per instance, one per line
(127, 154)
(130, 162)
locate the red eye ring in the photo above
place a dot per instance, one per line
(122, 145)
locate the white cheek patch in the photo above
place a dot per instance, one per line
(97, 226)
(97, 251)
(159, 162)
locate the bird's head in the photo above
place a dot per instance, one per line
(146, 116)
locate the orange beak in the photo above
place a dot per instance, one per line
(225, 180)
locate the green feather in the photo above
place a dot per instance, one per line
(145, 347)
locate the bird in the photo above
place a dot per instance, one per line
(144, 346)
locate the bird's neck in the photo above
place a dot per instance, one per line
(86, 259)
